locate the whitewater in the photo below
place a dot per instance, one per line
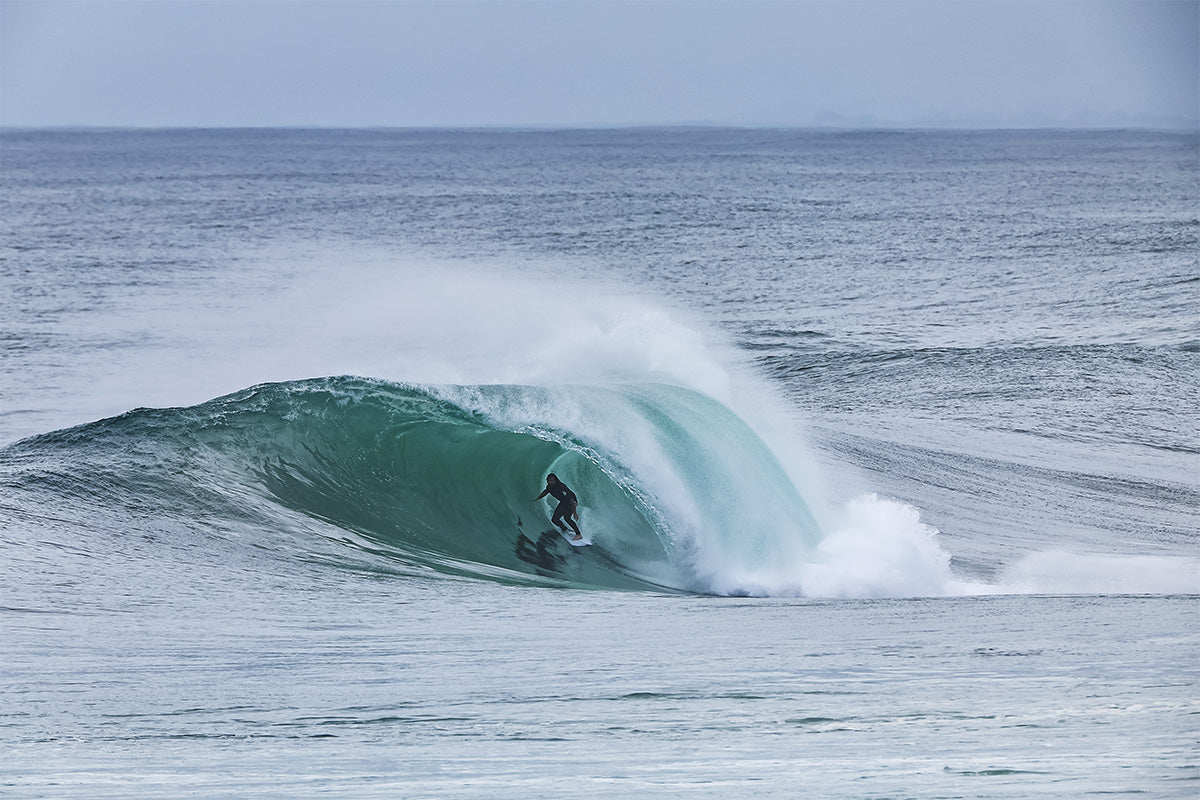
(886, 444)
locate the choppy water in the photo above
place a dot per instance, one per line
(274, 404)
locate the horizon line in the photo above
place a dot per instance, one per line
(1191, 127)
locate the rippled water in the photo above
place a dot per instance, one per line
(975, 356)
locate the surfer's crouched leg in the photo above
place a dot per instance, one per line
(566, 510)
(571, 521)
(559, 512)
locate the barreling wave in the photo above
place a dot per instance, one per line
(676, 491)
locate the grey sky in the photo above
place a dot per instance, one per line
(976, 63)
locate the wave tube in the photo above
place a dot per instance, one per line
(675, 490)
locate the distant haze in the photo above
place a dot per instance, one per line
(844, 64)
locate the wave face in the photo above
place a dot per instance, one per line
(676, 491)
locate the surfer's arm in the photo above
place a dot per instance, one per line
(540, 496)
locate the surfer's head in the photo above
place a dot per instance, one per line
(551, 478)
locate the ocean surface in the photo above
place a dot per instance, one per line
(888, 444)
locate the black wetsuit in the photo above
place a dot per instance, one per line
(566, 504)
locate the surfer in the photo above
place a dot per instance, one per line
(567, 503)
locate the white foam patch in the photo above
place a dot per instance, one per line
(1061, 572)
(881, 548)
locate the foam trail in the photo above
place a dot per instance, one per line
(1061, 572)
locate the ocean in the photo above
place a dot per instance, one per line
(887, 443)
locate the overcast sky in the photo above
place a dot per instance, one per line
(575, 62)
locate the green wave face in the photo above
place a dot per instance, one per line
(675, 490)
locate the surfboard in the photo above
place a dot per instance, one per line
(584, 542)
